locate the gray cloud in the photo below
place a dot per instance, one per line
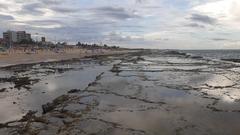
(3, 6)
(116, 13)
(54, 5)
(6, 17)
(113, 36)
(76, 33)
(19, 1)
(79, 30)
(33, 9)
(121, 38)
(195, 25)
(44, 22)
(139, 1)
(203, 19)
(220, 39)
(52, 2)
(63, 10)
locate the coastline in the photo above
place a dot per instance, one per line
(45, 56)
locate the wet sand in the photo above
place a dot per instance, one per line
(140, 93)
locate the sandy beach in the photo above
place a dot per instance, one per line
(15, 57)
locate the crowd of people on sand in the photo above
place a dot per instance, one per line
(34, 54)
(78, 48)
(54, 50)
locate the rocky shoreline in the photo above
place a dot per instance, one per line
(146, 92)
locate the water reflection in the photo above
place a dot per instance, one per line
(51, 85)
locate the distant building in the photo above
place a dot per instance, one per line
(28, 37)
(10, 36)
(16, 36)
(21, 35)
(2, 42)
(43, 39)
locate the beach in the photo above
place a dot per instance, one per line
(18, 56)
(146, 92)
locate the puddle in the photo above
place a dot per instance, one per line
(52, 84)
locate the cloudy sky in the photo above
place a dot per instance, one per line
(178, 24)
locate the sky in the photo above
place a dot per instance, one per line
(161, 24)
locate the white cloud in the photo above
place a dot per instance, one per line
(231, 45)
(226, 11)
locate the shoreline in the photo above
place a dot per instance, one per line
(9, 60)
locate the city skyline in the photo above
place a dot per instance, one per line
(16, 36)
(163, 24)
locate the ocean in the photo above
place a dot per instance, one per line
(215, 54)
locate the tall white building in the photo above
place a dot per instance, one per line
(10, 36)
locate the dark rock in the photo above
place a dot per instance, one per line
(92, 84)
(47, 107)
(20, 82)
(196, 57)
(51, 106)
(140, 59)
(115, 69)
(3, 90)
(74, 91)
(173, 52)
(232, 60)
(29, 115)
(99, 76)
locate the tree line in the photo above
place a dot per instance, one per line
(89, 46)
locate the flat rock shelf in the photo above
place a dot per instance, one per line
(149, 92)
